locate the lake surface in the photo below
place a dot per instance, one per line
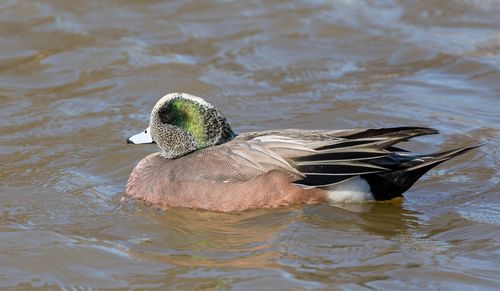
(78, 77)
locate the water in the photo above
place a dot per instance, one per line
(79, 77)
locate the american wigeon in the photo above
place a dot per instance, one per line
(204, 164)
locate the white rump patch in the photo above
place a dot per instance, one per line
(355, 189)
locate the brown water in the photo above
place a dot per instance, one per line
(78, 77)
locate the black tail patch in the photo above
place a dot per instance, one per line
(388, 185)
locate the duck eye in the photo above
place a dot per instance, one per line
(146, 131)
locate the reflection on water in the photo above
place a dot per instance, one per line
(76, 79)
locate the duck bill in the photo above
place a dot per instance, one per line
(141, 138)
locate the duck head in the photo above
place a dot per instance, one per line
(181, 123)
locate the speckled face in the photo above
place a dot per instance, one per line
(181, 123)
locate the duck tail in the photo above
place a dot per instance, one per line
(388, 185)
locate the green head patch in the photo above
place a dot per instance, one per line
(188, 115)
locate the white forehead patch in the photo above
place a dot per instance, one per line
(193, 98)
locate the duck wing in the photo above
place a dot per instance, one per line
(314, 158)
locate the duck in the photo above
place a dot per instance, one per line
(204, 164)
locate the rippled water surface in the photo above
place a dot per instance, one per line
(78, 77)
